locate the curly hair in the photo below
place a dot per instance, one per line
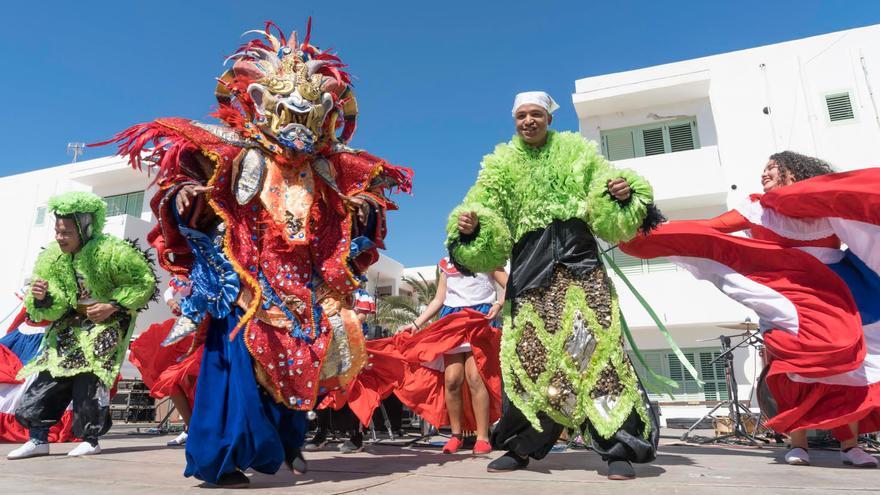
(800, 166)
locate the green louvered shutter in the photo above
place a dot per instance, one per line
(618, 144)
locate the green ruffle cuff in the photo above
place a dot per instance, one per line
(612, 220)
(491, 246)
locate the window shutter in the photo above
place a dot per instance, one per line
(618, 144)
(41, 215)
(661, 265)
(135, 203)
(653, 139)
(839, 107)
(115, 205)
(681, 137)
(628, 264)
(713, 376)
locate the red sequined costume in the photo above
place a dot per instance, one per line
(297, 213)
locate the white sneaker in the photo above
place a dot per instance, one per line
(857, 457)
(797, 457)
(180, 440)
(29, 449)
(84, 448)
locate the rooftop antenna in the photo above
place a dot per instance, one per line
(76, 149)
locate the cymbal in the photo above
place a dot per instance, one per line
(743, 325)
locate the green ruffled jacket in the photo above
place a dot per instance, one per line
(113, 270)
(521, 188)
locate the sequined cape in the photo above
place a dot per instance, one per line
(288, 234)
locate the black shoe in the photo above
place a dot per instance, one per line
(621, 470)
(295, 461)
(508, 462)
(233, 479)
(349, 447)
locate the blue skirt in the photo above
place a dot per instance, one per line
(235, 424)
(482, 308)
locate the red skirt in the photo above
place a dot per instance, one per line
(165, 369)
(423, 388)
(385, 370)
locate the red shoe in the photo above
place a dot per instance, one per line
(452, 445)
(482, 447)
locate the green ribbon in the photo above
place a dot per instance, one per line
(658, 384)
(660, 326)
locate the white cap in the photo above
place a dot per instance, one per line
(539, 98)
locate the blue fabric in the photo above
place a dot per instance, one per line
(864, 284)
(215, 284)
(24, 346)
(482, 308)
(38, 435)
(235, 424)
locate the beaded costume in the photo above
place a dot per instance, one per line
(274, 250)
(562, 357)
(80, 359)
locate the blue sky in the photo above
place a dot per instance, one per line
(435, 80)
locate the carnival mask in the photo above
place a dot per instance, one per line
(293, 93)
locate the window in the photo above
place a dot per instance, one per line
(125, 204)
(652, 139)
(631, 265)
(664, 362)
(839, 107)
(40, 218)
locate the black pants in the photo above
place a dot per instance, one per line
(394, 409)
(515, 433)
(45, 400)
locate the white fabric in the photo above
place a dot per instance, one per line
(799, 229)
(539, 98)
(11, 393)
(439, 364)
(797, 457)
(773, 309)
(462, 290)
(860, 238)
(866, 374)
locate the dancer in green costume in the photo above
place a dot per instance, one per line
(539, 201)
(90, 286)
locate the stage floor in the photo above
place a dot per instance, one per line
(142, 464)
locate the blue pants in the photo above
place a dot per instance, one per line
(235, 424)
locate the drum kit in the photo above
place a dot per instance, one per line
(740, 425)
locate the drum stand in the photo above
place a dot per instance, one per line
(737, 410)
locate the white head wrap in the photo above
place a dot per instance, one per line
(539, 98)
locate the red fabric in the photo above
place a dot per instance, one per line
(12, 432)
(830, 339)
(850, 195)
(164, 369)
(384, 372)
(11, 366)
(423, 389)
(733, 221)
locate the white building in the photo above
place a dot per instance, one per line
(700, 131)
(29, 227)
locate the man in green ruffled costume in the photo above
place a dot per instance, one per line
(90, 286)
(539, 200)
